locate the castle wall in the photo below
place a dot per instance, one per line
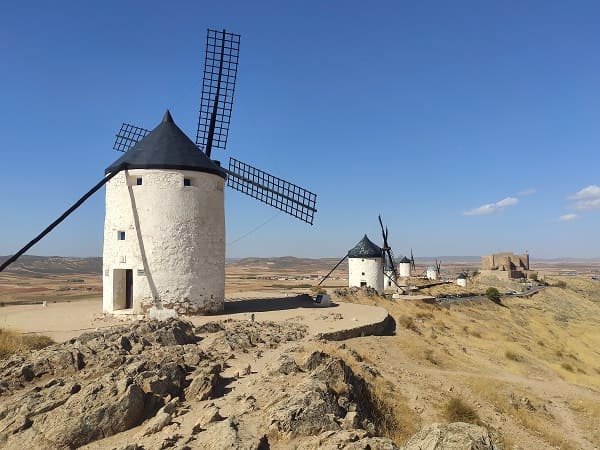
(505, 262)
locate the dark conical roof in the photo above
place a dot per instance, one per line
(405, 260)
(166, 147)
(365, 249)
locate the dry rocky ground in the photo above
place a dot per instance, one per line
(229, 384)
(529, 368)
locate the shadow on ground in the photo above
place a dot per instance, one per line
(270, 304)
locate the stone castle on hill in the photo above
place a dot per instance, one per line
(505, 265)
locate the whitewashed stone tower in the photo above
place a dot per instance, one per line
(365, 265)
(404, 267)
(432, 273)
(164, 230)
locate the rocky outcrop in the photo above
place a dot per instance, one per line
(347, 440)
(330, 398)
(452, 436)
(198, 388)
(109, 381)
(95, 386)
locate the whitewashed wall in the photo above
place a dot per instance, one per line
(388, 280)
(431, 273)
(372, 269)
(404, 269)
(175, 244)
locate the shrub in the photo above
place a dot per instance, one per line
(12, 342)
(458, 411)
(318, 290)
(560, 284)
(424, 315)
(533, 276)
(567, 366)
(513, 356)
(429, 357)
(493, 294)
(408, 323)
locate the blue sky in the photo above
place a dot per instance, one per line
(472, 127)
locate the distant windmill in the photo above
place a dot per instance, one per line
(406, 266)
(433, 272)
(164, 232)
(370, 265)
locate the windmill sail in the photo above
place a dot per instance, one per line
(388, 256)
(283, 195)
(54, 224)
(218, 86)
(128, 136)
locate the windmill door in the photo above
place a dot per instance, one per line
(128, 288)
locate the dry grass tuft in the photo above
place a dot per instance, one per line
(474, 333)
(408, 323)
(12, 342)
(458, 411)
(424, 315)
(431, 358)
(513, 356)
(398, 421)
(567, 366)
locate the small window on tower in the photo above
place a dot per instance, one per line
(187, 182)
(121, 235)
(138, 181)
(363, 274)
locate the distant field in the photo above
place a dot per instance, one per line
(55, 279)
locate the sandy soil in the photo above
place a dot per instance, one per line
(63, 321)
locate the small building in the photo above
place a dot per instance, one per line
(404, 267)
(365, 265)
(432, 273)
(461, 280)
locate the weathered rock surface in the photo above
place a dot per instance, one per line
(109, 381)
(452, 436)
(202, 388)
(331, 397)
(347, 440)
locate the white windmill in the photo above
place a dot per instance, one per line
(164, 231)
(370, 265)
(365, 265)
